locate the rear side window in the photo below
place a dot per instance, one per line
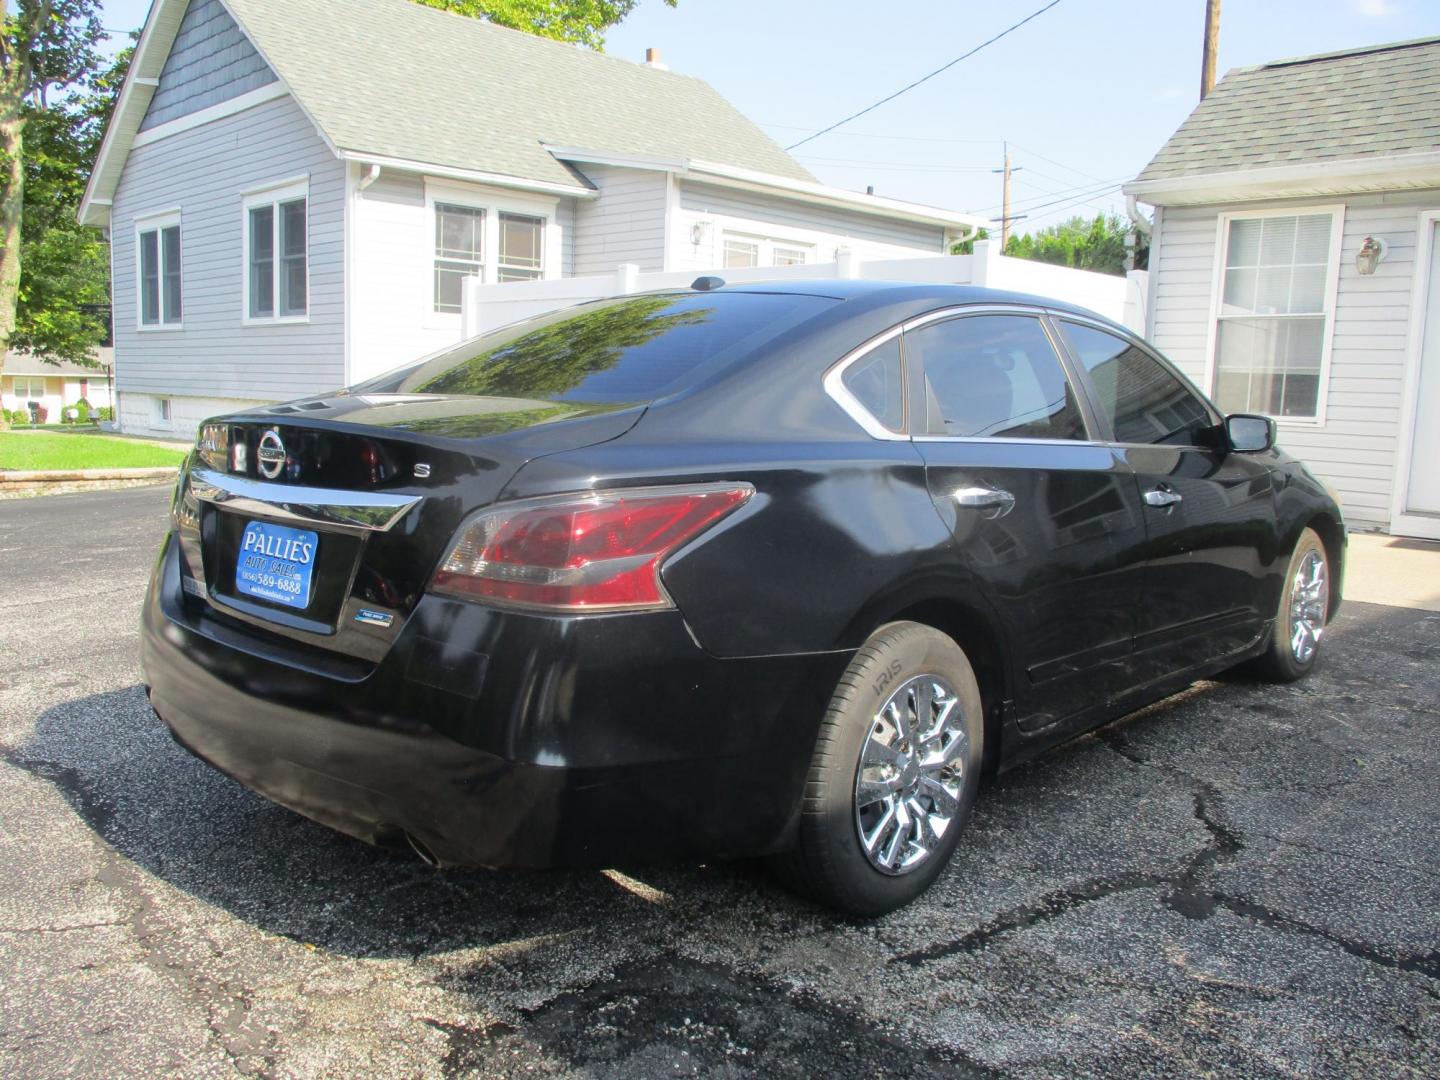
(994, 376)
(877, 382)
(1144, 402)
(624, 351)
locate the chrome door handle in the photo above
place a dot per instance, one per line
(1161, 497)
(997, 501)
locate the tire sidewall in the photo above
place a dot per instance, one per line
(896, 653)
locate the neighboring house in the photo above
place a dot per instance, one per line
(295, 191)
(27, 378)
(1295, 267)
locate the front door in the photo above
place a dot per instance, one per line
(1045, 520)
(1210, 579)
(1418, 499)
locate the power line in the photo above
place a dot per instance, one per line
(926, 78)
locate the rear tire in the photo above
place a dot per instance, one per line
(894, 775)
(1304, 609)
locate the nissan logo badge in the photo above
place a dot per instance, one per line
(270, 454)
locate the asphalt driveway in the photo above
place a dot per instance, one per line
(1241, 879)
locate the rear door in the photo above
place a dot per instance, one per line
(1209, 514)
(1044, 518)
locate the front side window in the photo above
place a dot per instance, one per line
(1273, 316)
(522, 248)
(459, 251)
(159, 273)
(994, 376)
(1144, 402)
(791, 256)
(740, 250)
(277, 257)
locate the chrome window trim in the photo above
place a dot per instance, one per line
(357, 511)
(834, 383)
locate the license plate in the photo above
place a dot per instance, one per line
(275, 563)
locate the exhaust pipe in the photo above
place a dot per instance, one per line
(427, 856)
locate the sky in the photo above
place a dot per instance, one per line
(1084, 94)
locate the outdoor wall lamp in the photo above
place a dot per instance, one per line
(700, 233)
(1372, 250)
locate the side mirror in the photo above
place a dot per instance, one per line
(1249, 434)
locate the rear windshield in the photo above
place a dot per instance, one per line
(624, 351)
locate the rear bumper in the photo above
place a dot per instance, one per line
(499, 739)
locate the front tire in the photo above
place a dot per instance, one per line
(1304, 610)
(894, 776)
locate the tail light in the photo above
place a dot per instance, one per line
(593, 552)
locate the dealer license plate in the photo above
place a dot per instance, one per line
(275, 563)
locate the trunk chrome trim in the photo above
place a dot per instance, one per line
(357, 511)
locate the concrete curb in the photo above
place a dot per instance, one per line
(57, 476)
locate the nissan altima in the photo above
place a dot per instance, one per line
(726, 571)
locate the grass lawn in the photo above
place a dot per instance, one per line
(24, 450)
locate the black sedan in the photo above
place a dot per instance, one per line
(727, 571)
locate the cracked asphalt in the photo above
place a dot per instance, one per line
(1242, 878)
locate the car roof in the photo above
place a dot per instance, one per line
(909, 292)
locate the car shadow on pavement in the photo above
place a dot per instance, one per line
(203, 833)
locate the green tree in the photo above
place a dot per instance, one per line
(582, 22)
(64, 266)
(1097, 245)
(967, 247)
(44, 44)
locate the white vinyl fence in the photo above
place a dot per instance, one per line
(486, 307)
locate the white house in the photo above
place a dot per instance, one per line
(1295, 266)
(27, 378)
(295, 191)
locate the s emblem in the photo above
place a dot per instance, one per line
(270, 454)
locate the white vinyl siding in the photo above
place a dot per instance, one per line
(1355, 447)
(392, 316)
(208, 170)
(704, 215)
(626, 224)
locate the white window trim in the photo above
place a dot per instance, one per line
(494, 202)
(1403, 522)
(766, 244)
(29, 382)
(156, 222)
(272, 195)
(1332, 286)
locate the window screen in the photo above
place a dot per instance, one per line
(994, 376)
(1143, 401)
(521, 248)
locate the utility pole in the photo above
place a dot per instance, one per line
(1005, 216)
(1212, 46)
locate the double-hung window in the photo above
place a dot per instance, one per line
(157, 255)
(277, 257)
(741, 250)
(28, 390)
(473, 241)
(522, 248)
(1273, 314)
(459, 251)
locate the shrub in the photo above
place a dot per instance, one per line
(83, 410)
(40, 413)
(105, 412)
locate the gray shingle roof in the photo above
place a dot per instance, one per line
(1359, 103)
(395, 79)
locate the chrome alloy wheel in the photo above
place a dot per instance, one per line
(1309, 599)
(907, 789)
